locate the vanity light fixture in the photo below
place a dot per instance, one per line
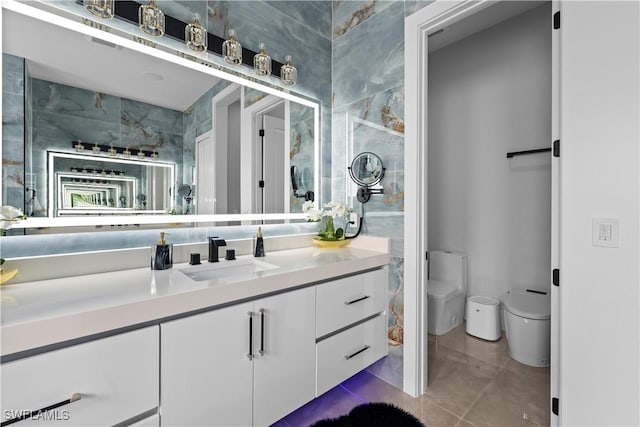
(288, 73)
(99, 8)
(262, 62)
(232, 49)
(196, 36)
(151, 19)
(79, 147)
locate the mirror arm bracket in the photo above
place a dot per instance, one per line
(364, 193)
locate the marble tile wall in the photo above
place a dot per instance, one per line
(368, 115)
(62, 114)
(13, 114)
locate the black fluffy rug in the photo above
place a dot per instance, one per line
(372, 415)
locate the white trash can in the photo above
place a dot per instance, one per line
(483, 318)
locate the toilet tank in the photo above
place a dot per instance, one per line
(444, 265)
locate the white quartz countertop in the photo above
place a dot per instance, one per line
(41, 313)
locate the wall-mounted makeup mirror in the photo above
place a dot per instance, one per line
(366, 170)
(75, 87)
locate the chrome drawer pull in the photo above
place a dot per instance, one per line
(350, 356)
(29, 414)
(357, 300)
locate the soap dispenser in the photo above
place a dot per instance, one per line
(259, 249)
(162, 254)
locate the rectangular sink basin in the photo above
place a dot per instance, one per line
(237, 270)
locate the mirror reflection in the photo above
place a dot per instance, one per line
(83, 184)
(212, 147)
(366, 169)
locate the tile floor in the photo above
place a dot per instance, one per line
(471, 383)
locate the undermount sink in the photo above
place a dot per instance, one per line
(236, 269)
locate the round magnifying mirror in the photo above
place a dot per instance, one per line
(366, 169)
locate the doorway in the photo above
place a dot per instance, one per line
(460, 217)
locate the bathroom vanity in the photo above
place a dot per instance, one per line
(235, 344)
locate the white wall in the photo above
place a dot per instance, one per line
(490, 94)
(599, 163)
(233, 159)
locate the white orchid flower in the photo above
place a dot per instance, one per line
(9, 215)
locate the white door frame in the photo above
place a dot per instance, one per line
(418, 26)
(248, 138)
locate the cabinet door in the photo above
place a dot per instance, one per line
(206, 376)
(115, 377)
(284, 374)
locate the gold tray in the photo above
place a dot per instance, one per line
(6, 275)
(330, 243)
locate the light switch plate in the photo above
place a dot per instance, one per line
(606, 232)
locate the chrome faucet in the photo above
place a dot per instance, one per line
(214, 243)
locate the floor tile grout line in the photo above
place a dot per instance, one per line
(492, 380)
(443, 408)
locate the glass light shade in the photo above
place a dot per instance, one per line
(232, 50)
(95, 149)
(100, 8)
(195, 35)
(151, 19)
(79, 147)
(262, 62)
(288, 73)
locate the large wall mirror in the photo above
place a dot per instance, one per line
(115, 131)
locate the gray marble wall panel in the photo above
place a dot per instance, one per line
(13, 116)
(257, 22)
(368, 115)
(396, 300)
(349, 14)
(315, 14)
(301, 153)
(184, 10)
(370, 57)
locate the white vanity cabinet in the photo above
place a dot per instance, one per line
(116, 379)
(351, 326)
(246, 364)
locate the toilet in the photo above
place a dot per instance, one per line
(446, 290)
(528, 324)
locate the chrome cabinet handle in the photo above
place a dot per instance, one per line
(351, 356)
(261, 351)
(362, 298)
(28, 414)
(250, 354)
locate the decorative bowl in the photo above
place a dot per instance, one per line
(330, 243)
(6, 275)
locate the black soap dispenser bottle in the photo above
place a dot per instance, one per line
(162, 254)
(259, 249)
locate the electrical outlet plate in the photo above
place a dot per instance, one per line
(606, 232)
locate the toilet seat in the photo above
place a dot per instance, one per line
(530, 305)
(441, 288)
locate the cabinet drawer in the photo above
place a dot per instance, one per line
(350, 351)
(349, 300)
(117, 378)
